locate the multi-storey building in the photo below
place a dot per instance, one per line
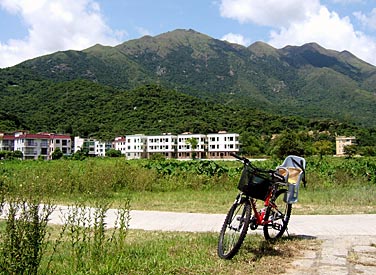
(211, 146)
(185, 148)
(342, 142)
(92, 147)
(6, 142)
(132, 147)
(84, 144)
(120, 144)
(42, 145)
(164, 144)
(63, 142)
(101, 148)
(220, 145)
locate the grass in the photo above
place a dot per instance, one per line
(335, 186)
(149, 252)
(329, 202)
(156, 252)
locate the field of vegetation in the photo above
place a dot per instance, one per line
(84, 246)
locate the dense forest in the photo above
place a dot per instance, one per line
(84, 108)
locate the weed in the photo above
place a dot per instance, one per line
(87, 244)
(23, 241)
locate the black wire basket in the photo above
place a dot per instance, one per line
(254, 182)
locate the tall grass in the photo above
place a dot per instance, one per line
(22, 243)
(189, 186)
(99, 178)
(83, 244)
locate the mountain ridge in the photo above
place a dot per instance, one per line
(308, 80)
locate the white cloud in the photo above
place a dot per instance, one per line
(330, 31)
(268, 12)
(55, 25)
(236, 38)
(368, 21)
(313, 23)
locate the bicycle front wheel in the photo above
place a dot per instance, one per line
(277, 216)
(234, 229)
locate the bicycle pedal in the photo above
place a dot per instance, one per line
(277, 226)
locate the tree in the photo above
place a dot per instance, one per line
(323, 147)
(252, 145)
(350, 151)
(18, 154)
(368, 150)
(193, 142)
(57, 154)
(289, 143)
(112, 153)
(79, 155)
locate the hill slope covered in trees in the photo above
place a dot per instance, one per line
(187, 81)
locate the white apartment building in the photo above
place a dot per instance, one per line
(120, 144)
(63, 142)
(163, 144)
(185, 150)
(220, 145)
(342, 142)
(211, 146)
(85, 144)
(6, 142)
(43, 145)
(101, 148)
(92, 146)
(132, 147)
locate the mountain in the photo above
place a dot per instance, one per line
(308, 80)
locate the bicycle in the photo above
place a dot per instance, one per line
(268, 186)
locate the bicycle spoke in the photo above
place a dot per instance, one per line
(277, 217)
(234, 230)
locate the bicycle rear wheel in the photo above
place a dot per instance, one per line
(277, 216)
(234, 229)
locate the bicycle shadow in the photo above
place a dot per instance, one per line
(272, 248)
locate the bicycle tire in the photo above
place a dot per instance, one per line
(234, 229)
(277, 216)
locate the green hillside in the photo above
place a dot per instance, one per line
(187, 81)
(308, 81)
(85, 108)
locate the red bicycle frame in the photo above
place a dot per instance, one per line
(259, 215)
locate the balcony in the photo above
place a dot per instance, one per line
(31, 143)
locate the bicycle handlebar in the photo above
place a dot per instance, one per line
(239, 157)
(273, 173)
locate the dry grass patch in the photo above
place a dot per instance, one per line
(196, 253)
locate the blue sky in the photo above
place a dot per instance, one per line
(31, 28)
